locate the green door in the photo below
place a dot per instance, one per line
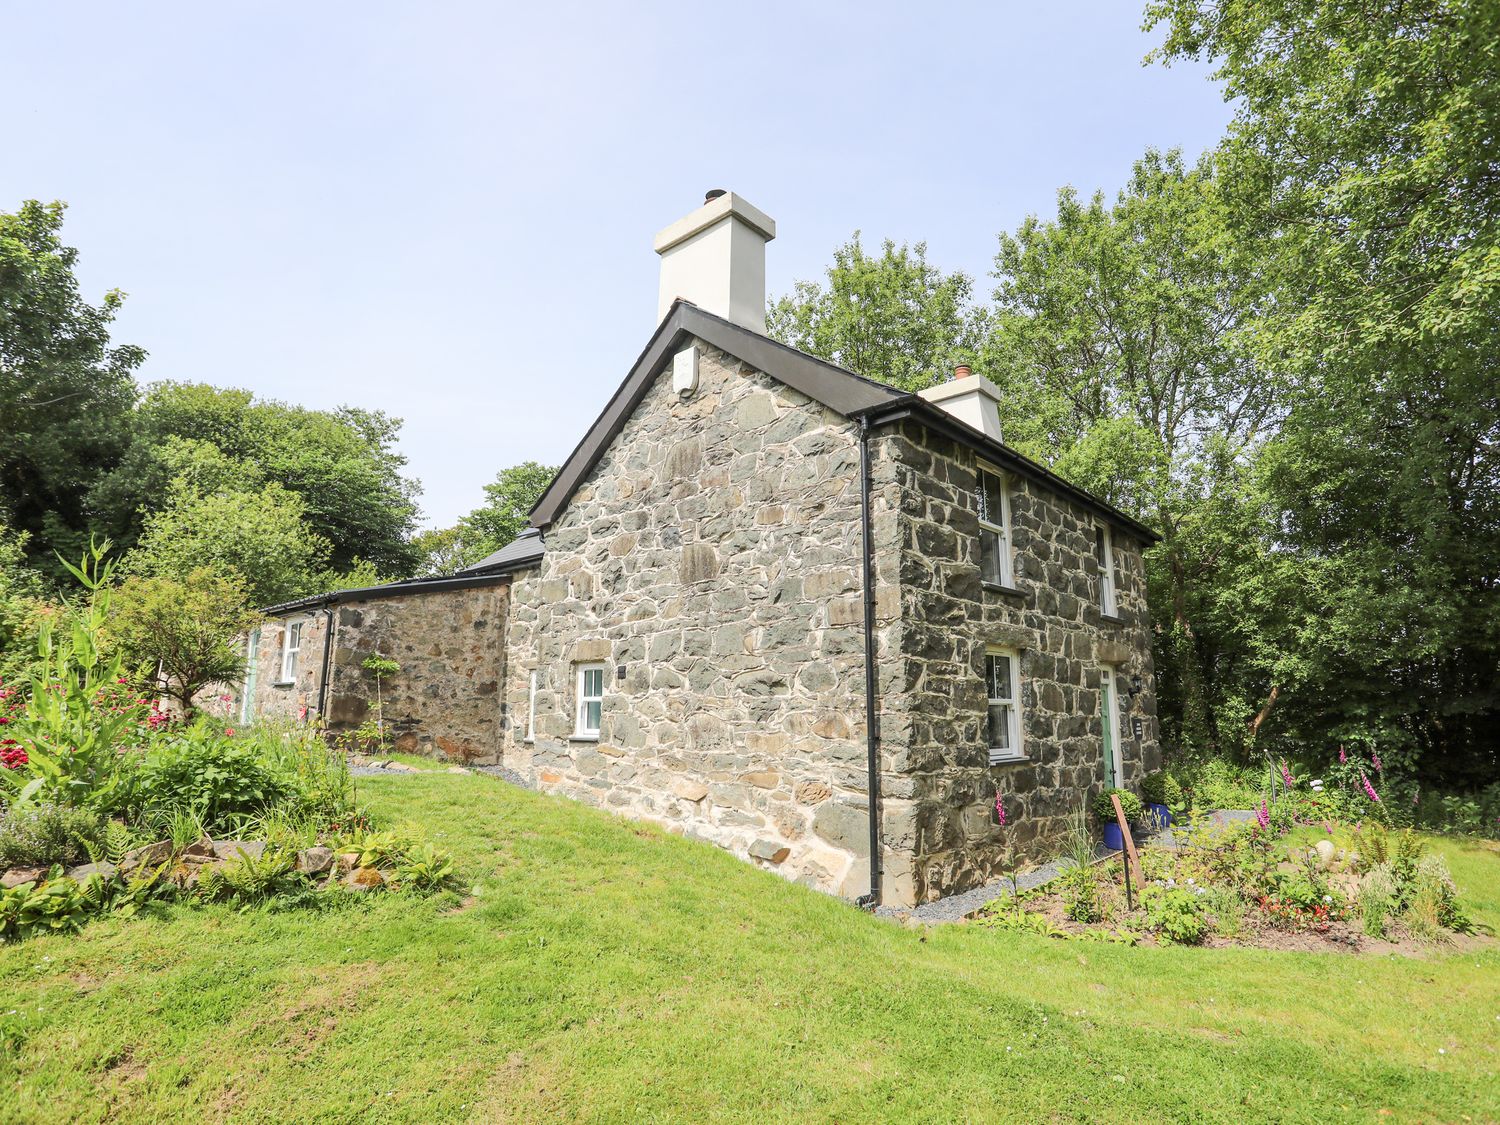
(1110, 719)
(252, 667)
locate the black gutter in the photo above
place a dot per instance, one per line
(872, 729)
(938, 419)
(327, 662)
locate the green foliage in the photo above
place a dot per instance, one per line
(424, 867)
(77, 715)
(1177, 914)
(41, 835)
(895, 317)
(247, 881)
(190, 628)
(1130, 805)
(65, 393)
(508, 501)
(1161, 788)
(58, 905)
(262, 537)
(1361, 170)
(342, 465)
(22, 607)
(1377, 899)
(219, 781)
(1079, 888)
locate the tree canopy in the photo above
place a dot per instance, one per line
(893, 317)
(65, 391)
(342, 464)
(508, 501)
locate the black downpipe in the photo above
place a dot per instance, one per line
(327, 663)
(872, 728)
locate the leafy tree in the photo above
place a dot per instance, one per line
(508, 501)
(261, 537)
(22, 606)
(1115, 344)
(443, 550)
(342, 464)
(189, 627)
(895, 317)
(65, 393)
(1363, 165)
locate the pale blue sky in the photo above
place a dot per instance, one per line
(445, 210)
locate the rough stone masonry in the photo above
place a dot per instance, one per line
(711, 562)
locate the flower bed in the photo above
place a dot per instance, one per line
(1345, 887)
(105, 804)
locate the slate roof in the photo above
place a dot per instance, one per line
(844, 392)
(523, 550)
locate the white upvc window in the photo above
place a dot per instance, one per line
(1105, 551)
(531, 710)
(994, 528)
(1003, 723)
(252, 674)
(590, 700)
(291, 645)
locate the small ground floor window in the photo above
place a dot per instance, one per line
(1004, 717)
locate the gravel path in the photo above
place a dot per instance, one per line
(507, 775)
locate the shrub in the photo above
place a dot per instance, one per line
(1130, 804)
(1161, 788)
(1177, 914)
(1432, 899)
(1079, 887)
(1377, 899)
(42, 835)
(197, 770)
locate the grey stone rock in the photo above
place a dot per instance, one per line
(315, 861)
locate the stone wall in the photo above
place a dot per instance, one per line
(274, 700)
(711, 561)
(938, 820)
(445, 700)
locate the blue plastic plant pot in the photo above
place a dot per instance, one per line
(1159, 816)
(1112, 836)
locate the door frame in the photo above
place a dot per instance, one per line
(1109, 707)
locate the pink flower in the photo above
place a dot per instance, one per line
(1369, 789)
(1286, 776)
(1342, 756)
(1000, 810)
(228, 732)
(1375, 761)
(1263, 815)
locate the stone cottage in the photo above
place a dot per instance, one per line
(776, 605)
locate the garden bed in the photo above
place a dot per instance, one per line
(1349, 889)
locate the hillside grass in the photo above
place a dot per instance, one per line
(608, 971)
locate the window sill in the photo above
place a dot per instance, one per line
(583, 738)
(1009, 760)
(1002, 588)
(1111, 618)
(283, 683)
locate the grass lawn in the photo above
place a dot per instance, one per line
(608, 971)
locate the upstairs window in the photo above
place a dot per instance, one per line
(291, 645)
(590, 700)
(1004, 718)
(1105, 552)
(994, 528)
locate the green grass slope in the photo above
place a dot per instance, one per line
(610, 972)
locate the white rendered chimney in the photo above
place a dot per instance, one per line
(716, 258)
(969, 398)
